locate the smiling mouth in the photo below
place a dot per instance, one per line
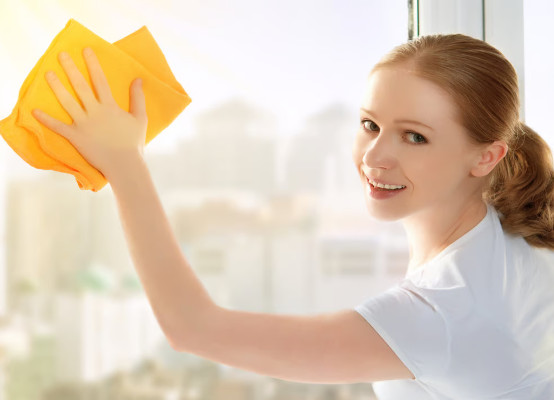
(384, 186)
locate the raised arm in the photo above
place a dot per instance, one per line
(338, 347)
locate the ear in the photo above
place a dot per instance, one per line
(489, 157)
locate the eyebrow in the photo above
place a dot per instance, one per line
(411, 121)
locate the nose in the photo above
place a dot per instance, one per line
(380, 152)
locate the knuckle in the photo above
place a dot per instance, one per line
(80, 83)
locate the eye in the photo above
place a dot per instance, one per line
(367, 124)
(416, 138)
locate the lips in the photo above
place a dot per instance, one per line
(382, 194)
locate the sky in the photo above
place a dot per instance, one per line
(290, 57)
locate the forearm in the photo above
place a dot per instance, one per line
(178, 298)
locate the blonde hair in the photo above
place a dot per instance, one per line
(484, 85)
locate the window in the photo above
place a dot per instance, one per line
(274, 86)
(539, 64)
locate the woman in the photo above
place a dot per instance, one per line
(441, 148)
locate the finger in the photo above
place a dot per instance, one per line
(65, 98)
(80, 85)
(137, 103)
(53, 124)
(97, 76)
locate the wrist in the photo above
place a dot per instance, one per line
(125, 167)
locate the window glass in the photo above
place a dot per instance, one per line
(539, 64)
(256, 176)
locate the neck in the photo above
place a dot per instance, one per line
(431, 231)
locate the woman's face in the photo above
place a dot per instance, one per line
(409, 139)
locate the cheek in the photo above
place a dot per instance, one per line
(437, 172)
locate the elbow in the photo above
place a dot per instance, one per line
(189, 334)
(175, 345)
(172, 336)
(180, 340)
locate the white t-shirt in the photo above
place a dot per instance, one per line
(476, 322)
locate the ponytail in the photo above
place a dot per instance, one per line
(522, 189)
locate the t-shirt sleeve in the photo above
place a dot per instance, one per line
(412, 325)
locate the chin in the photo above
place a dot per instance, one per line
(384, 213)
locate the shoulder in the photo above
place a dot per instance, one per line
(485, 302)
(487, 260)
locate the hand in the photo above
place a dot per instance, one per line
(102, 132)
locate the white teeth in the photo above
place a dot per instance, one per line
(385, 186)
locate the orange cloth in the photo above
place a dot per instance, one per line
(136, 55)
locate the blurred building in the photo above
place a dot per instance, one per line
(3, 237)
(30, 373)
(206, 381)
(286, 254)
(99, 334)
(321, 154)
(234, 147)
(54, 229)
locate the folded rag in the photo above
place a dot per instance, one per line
(136, 55)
